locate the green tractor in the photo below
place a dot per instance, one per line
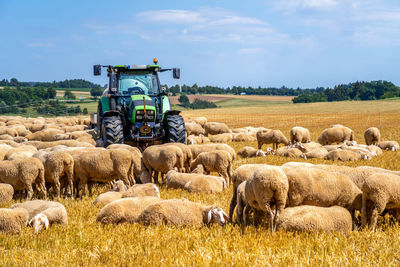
(135, 110)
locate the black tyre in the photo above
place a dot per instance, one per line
(174, 129)
(112, 131)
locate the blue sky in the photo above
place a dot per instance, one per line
(305, 43)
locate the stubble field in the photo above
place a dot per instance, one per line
(85, 242)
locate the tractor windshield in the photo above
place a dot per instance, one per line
(137, 83)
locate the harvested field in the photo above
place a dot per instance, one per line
(216, 98)
(85, 242)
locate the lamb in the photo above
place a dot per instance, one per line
(194, 128)
(13, 220)
(181, 212)
(205, 184)
(216, 128)
(21, 130)
(375, 150)
(162, 159)
(43, 213)
(192, 139)
(187, 154)
(358, 149)
(126, 210)
(389, 145)
(136, 156)
(44, 135)
(241, 174)
(300, 134)
(319, 153)
(57, 164)
(23, 174)
(142, 190)
(6, 137)
(312, 186)
(199, 120)
(108, 197)
(6, 193)
(115, 163)
(244, 137)
(219, 161)
(381, 191)
(268, 186)
(292, 152)
(21, 152)
(221, 138)
(372, 136)
(346, 155)
(268, 136)
(9, 131)
(335, 135)
(330, 148)
(197, 149)
(20, 139)
(250, 152)
(315, 219)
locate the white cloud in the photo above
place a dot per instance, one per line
(172, 16)
(291, 5)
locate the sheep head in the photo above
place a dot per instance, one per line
(39, 222)
(217, 215)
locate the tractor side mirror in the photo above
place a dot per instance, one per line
(96, 70)
(176, 73)
(113, 82)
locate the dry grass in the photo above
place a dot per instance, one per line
(85, 242)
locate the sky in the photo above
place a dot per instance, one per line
(296, 43)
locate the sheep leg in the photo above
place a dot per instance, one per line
(90, 186)
(377, 209)
(364, 211)
(246, 212)
(259, 145)
(233, 204)
(29, 191)
(155, 177)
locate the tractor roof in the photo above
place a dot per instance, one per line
(137, 67)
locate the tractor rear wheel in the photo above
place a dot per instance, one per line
(112, 130)
(174, 129)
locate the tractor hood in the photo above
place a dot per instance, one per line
(141, 109)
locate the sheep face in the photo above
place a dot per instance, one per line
(39, 222)
(217, 215)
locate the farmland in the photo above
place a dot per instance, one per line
(85, 242)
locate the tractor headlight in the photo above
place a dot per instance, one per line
(140, 112)
(139, 117)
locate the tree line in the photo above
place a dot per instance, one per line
(353, 91)
(74, 83)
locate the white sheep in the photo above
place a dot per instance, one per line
(44, 213)
(13, 220)
(372, 136)
(181, 212)
(125, 210)
(269, 186)
(389, 145)
(300, 134)
(381, 191)
(6, 193)
(315, 219)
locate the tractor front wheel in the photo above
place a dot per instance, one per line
(112, 130)
(174, 129)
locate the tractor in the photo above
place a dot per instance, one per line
(135, 109)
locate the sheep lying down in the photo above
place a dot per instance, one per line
(154, 211)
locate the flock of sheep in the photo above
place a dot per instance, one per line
(53, 156)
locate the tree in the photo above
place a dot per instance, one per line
(13, 82)
(95, 92)
(184, 100)
(85, 111)
(51, 93)
(69, 95)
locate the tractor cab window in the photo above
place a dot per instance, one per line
(139, 83)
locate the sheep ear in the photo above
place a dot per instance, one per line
(209, 216)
